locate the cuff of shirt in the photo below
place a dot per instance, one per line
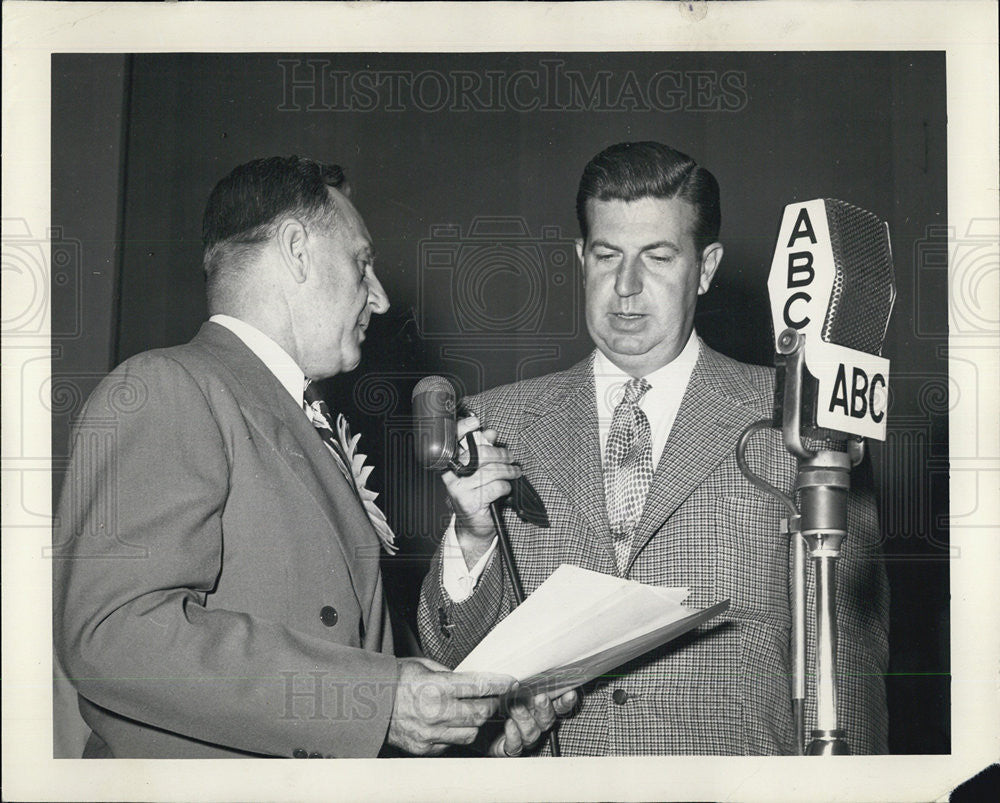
(458, 580)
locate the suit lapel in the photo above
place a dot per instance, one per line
(715, 409)
(561, 436)
(273, 413)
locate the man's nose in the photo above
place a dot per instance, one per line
(377, 298)
(628, 280)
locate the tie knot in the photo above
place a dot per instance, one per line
(635, 389)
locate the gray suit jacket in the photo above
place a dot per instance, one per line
(723, 689)
(216, 583)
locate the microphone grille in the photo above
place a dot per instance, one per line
(431, 384)
(864, 287)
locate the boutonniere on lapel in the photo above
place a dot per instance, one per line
(350, 462)
(358, 476)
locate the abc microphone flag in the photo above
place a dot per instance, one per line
(832, 281)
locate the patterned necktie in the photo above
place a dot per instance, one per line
(628, 467)
(351, 463)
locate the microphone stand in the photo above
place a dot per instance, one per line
(819, 524)
(823, 481)
(503, 540)
(506, 552)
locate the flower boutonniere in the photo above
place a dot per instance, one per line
(355, 460)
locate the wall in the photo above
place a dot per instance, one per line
(89, 96)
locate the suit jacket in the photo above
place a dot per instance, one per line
(724, 688)
(216, 582)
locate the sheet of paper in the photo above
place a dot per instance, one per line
(580, 624)
(575, 673)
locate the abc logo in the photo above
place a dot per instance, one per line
(861, 396)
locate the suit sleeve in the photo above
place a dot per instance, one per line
(450, 630)
(139, 547)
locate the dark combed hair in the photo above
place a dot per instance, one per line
(245, 205)
(630, 171)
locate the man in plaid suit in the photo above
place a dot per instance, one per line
(653, 394)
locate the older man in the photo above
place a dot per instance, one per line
(633, 454)
(217, 589)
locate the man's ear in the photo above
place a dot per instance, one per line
(292, 241)
(579, 255)
(710, 259)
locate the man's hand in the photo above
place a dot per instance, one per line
(471, 496)
(528, 721)
(435, 707)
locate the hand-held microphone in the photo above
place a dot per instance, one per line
(434, 422)
(434, 409)
(437, 450)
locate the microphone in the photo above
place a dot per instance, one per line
(832, 291)
(434, 422)
(434, 408)
(437, 450)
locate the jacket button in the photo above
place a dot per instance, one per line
(328, 615)
(315, 755)
(298, 752)
(443, 623)
(620, 696)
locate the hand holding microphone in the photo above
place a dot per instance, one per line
(476, 488)
(472, 495)
(442, 444)
(437, 449)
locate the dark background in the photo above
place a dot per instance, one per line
(138, 141)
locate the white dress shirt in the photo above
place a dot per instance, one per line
(274, 357)
(660, 404)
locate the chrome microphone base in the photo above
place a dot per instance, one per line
(828, 743)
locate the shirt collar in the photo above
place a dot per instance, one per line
(675, 374)
(274, 357)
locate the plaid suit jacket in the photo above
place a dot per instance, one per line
(724, 688)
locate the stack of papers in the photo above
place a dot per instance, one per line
(580, 624)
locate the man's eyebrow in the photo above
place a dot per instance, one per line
(650, 247)
(661, 244)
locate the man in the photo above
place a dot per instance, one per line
(588, 439)
(216, 585)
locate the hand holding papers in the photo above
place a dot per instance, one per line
(578, 625)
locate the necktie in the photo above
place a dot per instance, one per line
(322, 419)
(628, 467)
(351, 463)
